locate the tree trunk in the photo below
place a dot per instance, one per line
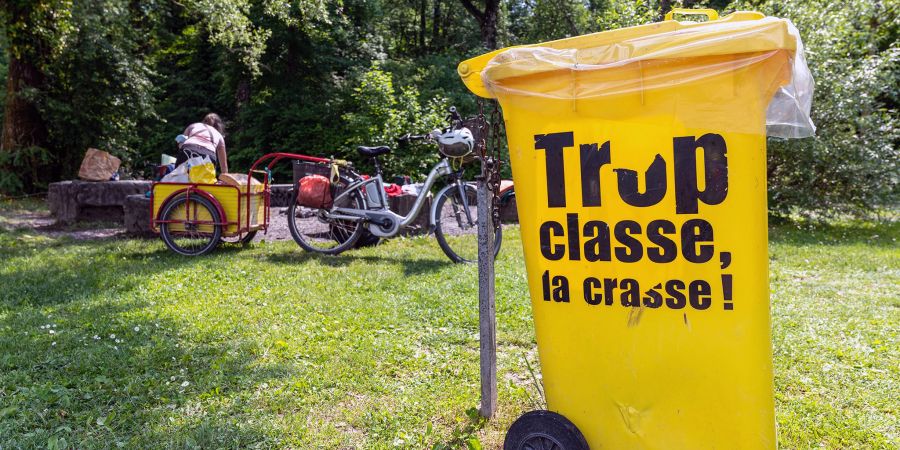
(489, 24)
(23, 125)
(664, 7)
(487, 20)
(242, 93)
(436, 24)
(423, 7)
(573, 28)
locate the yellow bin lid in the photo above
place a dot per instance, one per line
(734, 41)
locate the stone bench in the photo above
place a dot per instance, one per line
(137, 215)
(509, 213)
(402, 204)
(74, 201)
(280, 195)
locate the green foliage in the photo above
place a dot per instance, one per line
(99, 85)
(543, 20)
(624, 13)
(21, 164)
(34, 29)
(379, 114)
(240, 25)
(852, 164)
(323, 76)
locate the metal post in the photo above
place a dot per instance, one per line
(487, 321)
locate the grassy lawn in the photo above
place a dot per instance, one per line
(118, 343)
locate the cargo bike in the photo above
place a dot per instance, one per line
(194, 218)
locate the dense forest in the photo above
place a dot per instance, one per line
(322, 76)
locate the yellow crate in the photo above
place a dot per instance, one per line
(227, 196)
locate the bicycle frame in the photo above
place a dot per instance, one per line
(379, 210)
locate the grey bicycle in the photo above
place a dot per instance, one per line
(360, 208)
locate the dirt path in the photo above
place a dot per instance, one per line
(278, 228)
(42, 222)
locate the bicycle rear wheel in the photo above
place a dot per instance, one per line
(315, 232)
(456, 232)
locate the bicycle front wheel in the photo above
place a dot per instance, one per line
(456, 231)
(314, 231)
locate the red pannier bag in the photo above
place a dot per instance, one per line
(314, 192)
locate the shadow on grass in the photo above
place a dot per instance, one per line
(112, 372)
(55, 278)
(802, 232)
(82, 364)
(411, 267)
(103, 392)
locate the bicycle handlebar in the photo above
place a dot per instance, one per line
(454, 118)
(454, 115)
(412, 137)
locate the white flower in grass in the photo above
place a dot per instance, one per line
(52, 331)
(53, 344)
(112, 336)
(172, 378)
(96, 338)
(136, 329)
(186, 384)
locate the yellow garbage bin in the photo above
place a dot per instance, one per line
(639, 158)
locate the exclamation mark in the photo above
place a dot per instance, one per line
(726, 291)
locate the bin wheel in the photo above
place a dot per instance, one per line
(544, 430)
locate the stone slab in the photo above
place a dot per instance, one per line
(136, 212)
(73, 201)
(508, 211)
(281, 195)
(402, 204)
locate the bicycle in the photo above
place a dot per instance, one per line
(360, 204)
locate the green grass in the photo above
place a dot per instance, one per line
(836, 331)
(119, 343)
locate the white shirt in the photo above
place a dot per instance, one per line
(204, 136)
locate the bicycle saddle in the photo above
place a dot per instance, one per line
(373, 151)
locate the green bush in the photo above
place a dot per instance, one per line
(851, 165)
(323, 76)
(378, 114)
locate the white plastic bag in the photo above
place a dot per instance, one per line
(196, 161)
(179, 175)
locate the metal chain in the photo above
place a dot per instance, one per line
(494, 174)
(481, 145)
(488, 147)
